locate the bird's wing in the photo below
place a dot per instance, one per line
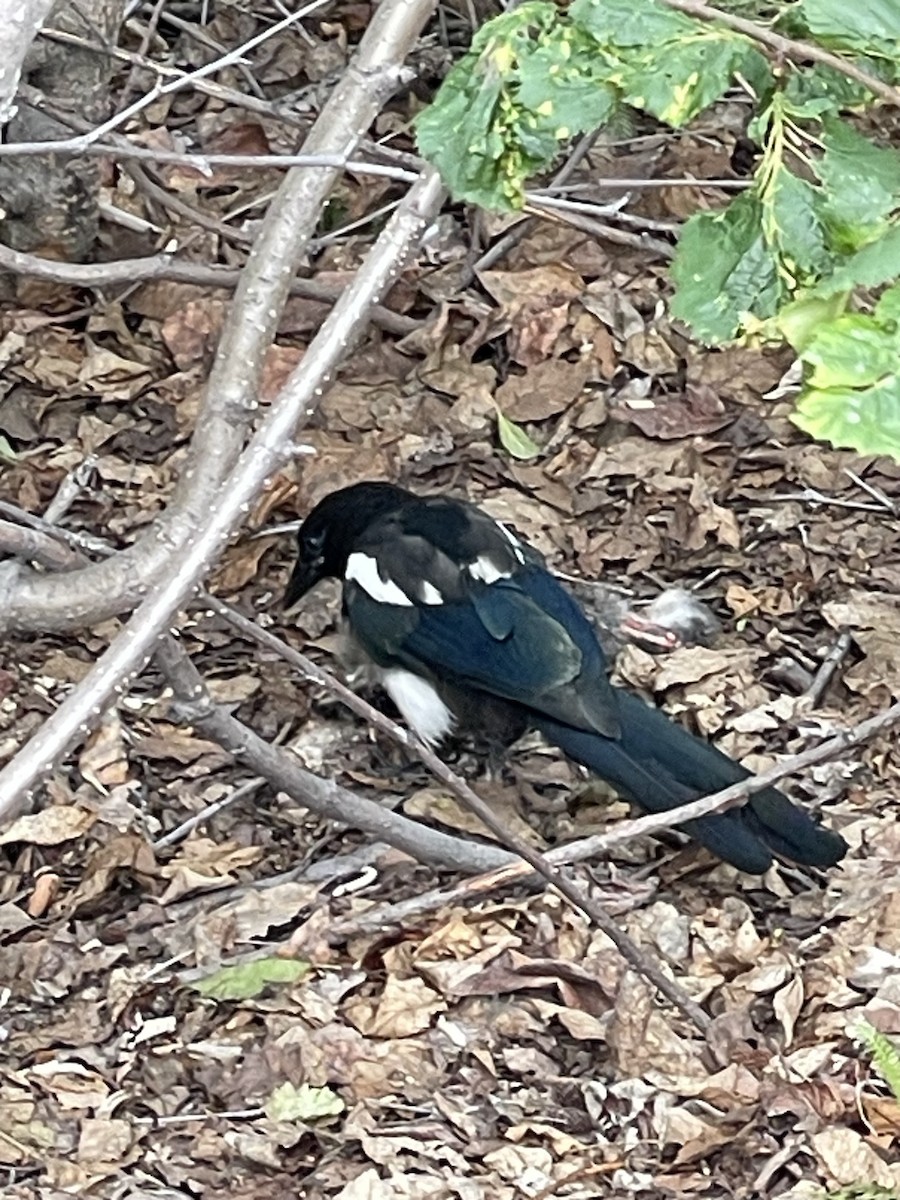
(456, 597)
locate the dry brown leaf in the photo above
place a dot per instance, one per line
(848, 1158)
(50, 826)
(104, 759)
(405, 1007)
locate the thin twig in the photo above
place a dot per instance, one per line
(180, 832)
(825, 673)
(811, 495)
(200, 161)
(175, 270)
(788, 47)
(883, 499)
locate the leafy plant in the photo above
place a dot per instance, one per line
(792, 257)
(885, 1054)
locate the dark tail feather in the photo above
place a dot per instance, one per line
(660, 766)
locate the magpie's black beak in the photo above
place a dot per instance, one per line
(304, 576)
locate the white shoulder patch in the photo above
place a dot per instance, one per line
(363, 569)
(429, 593)
(420, 705)
(485, 569)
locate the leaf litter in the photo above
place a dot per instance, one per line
(161, 1036)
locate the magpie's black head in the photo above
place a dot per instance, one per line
(325, 539)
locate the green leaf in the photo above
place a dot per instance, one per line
(819, 89)
(679, 79)
(666, 63)
(794, 226)
(303, 1103)
(853, 351)
(866, 420)
(482, 139)
(6, 450)
(866, 25)
(861, 182)
(631, 22)
(873, 265)
(885, 1053)
(566, 84)
(852, 387)
(514, 439)
(724, 270)
(800, 321)
(246, 980)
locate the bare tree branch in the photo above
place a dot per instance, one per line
(166, 266)
(29, 600)
(270, 447)
(321, 796)
(32, 546)
(624, 831)
(20, 21)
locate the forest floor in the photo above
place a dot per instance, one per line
(491, 1049)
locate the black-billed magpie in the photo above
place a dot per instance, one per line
(467, 628)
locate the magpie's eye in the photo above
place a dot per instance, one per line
(314, 545)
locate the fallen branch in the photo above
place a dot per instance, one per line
(322, 796)
(127, 271)
(271, 446)
(625, 831)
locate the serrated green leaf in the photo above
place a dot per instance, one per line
(724, 270)
(479, 135)
(861, 182)
(679, 79)
(863, 25)
(853, 351)
(866, 420)
(666, 63)
(566, 83)
(794, 226)
(303, 1103)
(819, 89)
(246, 980)
(514, 439)
(873, 265)
(631, 22)
(852, 388)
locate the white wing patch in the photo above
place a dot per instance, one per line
(363, 569)
(429, 593)
(422, 708)
(512, 539)
(485, 569)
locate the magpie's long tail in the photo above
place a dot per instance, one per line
(659, 766)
